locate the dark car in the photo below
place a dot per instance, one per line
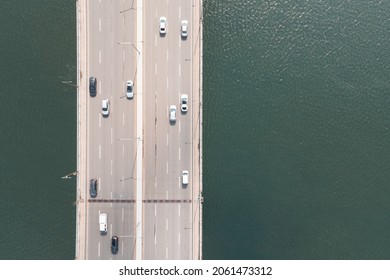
(93, 187)
(114, 244)
(92, 86)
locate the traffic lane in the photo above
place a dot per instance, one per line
(169, 230)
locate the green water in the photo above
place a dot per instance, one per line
(296, 129)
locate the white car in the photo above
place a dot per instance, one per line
(172, 113)
(184, 28)
(163, 25)
(184, 177)
(129, 89)
(105, 107)
(184, 103)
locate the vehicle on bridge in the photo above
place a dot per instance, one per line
(103, 223)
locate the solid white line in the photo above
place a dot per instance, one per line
(111, 167)
(140, 147)
(100, 25)
(123, 150)
(167, 224)
(99, 249)
(123, 214)
(179, 238)
(179, 209)
(179, 69)
(100, 151)
(167, 167)
(100, 57)
(167, 194)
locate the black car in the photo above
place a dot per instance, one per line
(114, 244)
(93, 187)
(92, 86)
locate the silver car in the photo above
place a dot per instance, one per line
(129, 89)
(105, 107)
(184, 28)
(163, 25)
(184, 103)
(172, 113)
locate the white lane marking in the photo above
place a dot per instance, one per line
(155, 210)
(167, 140)
(167, 194)
(166, 252)
(179, 209)
(123, 214)
(179, 153)
(167, 55)
(100, 56)
(179, 238)
(111, 135)
(167, 167)
(167, 83)
(100, 25)
(167, 224)
(179, 70)
(111, 167)
(123, 150)
(155, 68)
(155, 238)
(100, 120)
(99, 249)
(100, 151)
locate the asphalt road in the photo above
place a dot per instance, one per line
(111, 144)
(112, 57)
(168, 146)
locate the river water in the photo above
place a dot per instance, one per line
(296, 129)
